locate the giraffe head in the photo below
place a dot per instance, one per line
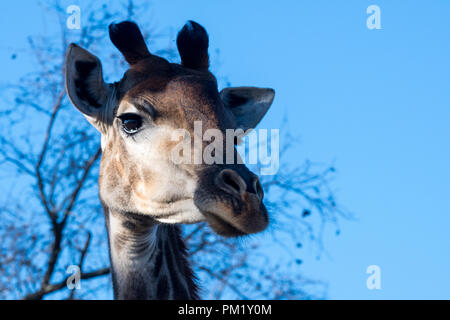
(137, 118)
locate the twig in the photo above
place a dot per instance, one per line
(58, 286)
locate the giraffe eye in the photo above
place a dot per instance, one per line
(131, 122)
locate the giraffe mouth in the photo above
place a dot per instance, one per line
(234, 222)
(222, 227)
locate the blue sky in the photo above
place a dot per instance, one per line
(376, 102)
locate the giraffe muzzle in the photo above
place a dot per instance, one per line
(234, 206)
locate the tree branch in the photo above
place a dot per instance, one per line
(40, 181)
(58, 286)
(73, 197)
(224, 281)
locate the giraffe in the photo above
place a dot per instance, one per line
(145, 195)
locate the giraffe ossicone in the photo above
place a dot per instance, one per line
(144, 193)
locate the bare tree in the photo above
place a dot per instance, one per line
(51, 217)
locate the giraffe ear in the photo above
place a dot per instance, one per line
(248, 104)
(84, 84)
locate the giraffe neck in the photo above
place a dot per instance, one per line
(148, 260)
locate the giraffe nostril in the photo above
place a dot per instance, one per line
(231, 182)
(258, 189)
